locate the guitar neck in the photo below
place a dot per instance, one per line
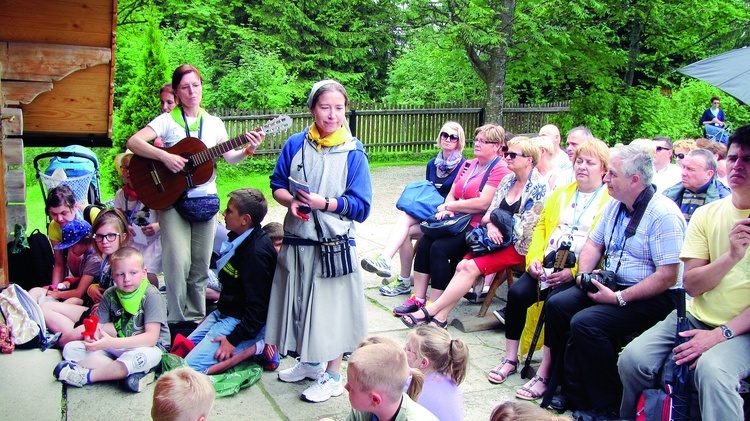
(218, 150)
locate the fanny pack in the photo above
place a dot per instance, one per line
(198, 209)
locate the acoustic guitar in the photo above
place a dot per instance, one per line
(159, 188)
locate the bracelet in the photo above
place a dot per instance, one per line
(620, 300)
(325, 209)
(247, 151)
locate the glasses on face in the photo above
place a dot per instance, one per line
(99, 238)
(484, 142)
(124, 167)
(513, 155)
(449, 137)
(661, 148)
(679, 155)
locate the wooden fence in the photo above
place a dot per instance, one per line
(385, 128)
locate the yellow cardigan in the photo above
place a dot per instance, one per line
(557, 201)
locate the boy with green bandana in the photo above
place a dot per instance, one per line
(132, 333)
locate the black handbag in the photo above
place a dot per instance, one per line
(446, 227)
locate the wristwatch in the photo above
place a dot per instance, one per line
(727, 332)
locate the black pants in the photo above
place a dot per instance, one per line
(584, 338)
(439, 257)
(522, 295)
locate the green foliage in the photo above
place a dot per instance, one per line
(259, 81)
(432, 69)
(625, 114)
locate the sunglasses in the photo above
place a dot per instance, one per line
(662, 148)
(450, 137)
(513, 155)
(679, 155)
(99, 238)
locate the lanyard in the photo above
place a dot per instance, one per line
(187, 126)
(474, 174)
(130, 216)
(618, 223)
(576, 221)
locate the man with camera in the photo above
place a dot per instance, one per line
(716, 276)
(639, 238)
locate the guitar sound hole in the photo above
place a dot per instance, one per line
(189, 166)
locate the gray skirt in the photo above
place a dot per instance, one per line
(319, 318)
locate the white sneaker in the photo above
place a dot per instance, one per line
(324, 388)
(71, 373)
(301, 371)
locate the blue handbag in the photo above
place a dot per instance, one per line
(420, 200)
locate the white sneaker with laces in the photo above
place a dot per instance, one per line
(301, 371)
(324, 388)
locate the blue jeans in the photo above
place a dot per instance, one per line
(215, 325)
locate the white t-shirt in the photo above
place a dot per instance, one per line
(171, 132)
(667, 177)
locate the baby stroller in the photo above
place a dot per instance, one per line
(77, 167)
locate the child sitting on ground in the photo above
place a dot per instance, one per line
(376, 375)
(131, 335)
(81, 261)
(236, 329)
(522, 411)
(444, 362)
(182, 394)
(276, 232)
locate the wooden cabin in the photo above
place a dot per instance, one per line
(57, 63)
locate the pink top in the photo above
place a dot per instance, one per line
(468, 180)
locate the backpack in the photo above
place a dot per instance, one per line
(24, 317)
(30, 259)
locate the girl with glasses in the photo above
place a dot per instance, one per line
(109, 234)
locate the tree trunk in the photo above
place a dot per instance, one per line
(634, 49)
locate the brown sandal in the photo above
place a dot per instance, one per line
(529, 388)
(497, 371)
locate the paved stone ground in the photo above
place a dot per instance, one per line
(31, 392)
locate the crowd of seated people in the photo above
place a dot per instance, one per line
(641, 222)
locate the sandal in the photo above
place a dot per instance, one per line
(412, 321)
(529, 388)
(502, 376)
(441, 324)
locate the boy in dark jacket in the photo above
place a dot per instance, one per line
(248, 259)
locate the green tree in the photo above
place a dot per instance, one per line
(141, 103)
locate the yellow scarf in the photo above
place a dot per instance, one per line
(336, 138)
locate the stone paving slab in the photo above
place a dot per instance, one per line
(42, 398)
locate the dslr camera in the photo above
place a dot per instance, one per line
(605, 277)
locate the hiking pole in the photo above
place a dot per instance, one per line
(561, 258)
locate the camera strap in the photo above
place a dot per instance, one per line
(635, 220)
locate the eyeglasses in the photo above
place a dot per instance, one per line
(449, 137)
(124, 167)
(484, 142)
(679, 155)
(662, 148)
(513, 155)
(99, 238)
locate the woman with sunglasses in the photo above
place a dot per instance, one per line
(522, 194)
(441, 172)
(472, 193)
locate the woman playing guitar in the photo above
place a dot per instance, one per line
(187, 245)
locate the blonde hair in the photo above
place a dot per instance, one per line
(596, 148)
(688, 144)
(459, 129)
(449, 357)
(544, 143)
(126, 253)
(182, 394)
(528, 148)
(380, 366)
(417, 377)
(493, 133)
(522, 411)
(646, 144)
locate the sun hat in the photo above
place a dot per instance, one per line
(73, 232)
(118, 160)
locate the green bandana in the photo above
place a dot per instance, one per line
(131, 301)
(176, 114)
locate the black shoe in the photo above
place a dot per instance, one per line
(557, 403)
(500, 315)
(136, 382)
